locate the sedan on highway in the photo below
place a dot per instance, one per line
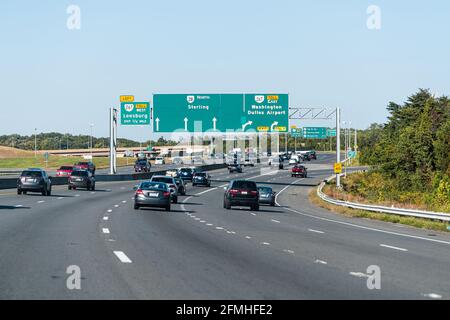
(201, 178)
(160, 161)
(186, 174)
(64, 171)
(152, 194)
(241, 193)
(171, 185)
(84, 179)
(34, 180)
(266, 196)
(142, 165)
(299, 170)
(234, 168)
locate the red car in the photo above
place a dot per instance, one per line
(64, 171)
(89, 166)
(299, 170)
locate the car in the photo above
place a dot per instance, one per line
(85, 166)
(201, 178)
(160, 160)
(142, 165)
(249, 163)
(197, 160)
(152, 194)
(299, 170)
(177, 160)
(172, 173)
(294, 160)
(312, 155)
(34, 180)
(186, 173)
(171, 184)
(181, 186)
(234, 168)
(84, 179)
(241, 193)
(64, 171)
(266, 196)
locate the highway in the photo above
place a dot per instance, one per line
(202, 251)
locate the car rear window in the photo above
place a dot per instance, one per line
(153, 186)
(66, 168)
(186, 170)
(247, 185)
(79, 174)
(162, 179)
(34, 174)
(265, 189)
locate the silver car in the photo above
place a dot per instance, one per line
(266, 196)
(152, 194)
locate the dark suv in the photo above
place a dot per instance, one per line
(201, 178)
(82, 179)
(34, 180)
(142, 165)
(241, 193)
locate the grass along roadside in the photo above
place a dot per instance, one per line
(54, 162)
(356, 213)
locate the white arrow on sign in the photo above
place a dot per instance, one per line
(157, 124)
(246, 125)
(186, 124)
(273, 125)
(214, 123)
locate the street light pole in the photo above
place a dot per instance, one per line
(338, 144)
(91, 139)
(35, 143)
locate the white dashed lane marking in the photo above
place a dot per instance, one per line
(105, 218)
(320, 262)
(432, 295)
(42, 201)
(276, 221)
(122, 257)
(105, 230)
(265, 243)
(109, 210)
(316, 231)
(393, 248)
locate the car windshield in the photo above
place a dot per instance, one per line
(80, 174)
(162, 179)
(247, 185)
(66, 168)
(33, 174)
(265, 189)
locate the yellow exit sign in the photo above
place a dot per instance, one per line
(338, 168)
(126, 98)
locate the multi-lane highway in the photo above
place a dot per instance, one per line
(202, 251)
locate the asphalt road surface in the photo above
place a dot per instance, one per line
(202, 251)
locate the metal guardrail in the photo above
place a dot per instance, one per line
(375, 208)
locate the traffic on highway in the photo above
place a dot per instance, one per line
(225, 159)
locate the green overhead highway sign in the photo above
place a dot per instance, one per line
(315, 132)
(220, 112)
(296, 132)
(134, 113)
(331, 132)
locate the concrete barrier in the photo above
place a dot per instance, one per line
(11, 183)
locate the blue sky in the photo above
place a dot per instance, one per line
(320, 52)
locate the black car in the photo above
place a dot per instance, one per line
(142, 165)
(234, 168)
(34, 180)
(241, 193)
(305, 157)
(181, 186)
(84, 179)
(201, 178)
(312, 155)
(186, 174)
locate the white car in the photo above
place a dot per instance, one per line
(160, 160)
(293, 161)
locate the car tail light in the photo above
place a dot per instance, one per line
(166, 194)
(139, 192)
(234, 192)
(254, 193)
